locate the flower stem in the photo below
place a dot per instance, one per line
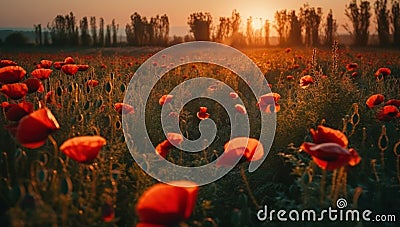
(246, 183)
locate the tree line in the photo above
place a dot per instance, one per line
(306, 26)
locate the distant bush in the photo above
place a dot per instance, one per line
(16, 39)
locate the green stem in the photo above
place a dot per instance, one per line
(246, 183)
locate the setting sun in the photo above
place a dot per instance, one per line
(258, 23)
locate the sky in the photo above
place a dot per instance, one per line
(26, 13)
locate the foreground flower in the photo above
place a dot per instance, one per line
(382, 72)
(305, 81)
(124, 108)
(45, 64)
(240, 109)
(33, 129)
(375, 100)
(165, 99)
(329, 150)
(41, 74)
(167, 205)
(202, 114)
(83, 149)
(243, 148)
(34, 85)
(268, 103)
(58, 64)
(351, 66)
(11, 74)
(83, 67)
(173, 139)
(393, 102)
(70, 69)
(388, 113)
(92, 83)
(69, 60)
(14, 91)
(6, 62)
(17, 111)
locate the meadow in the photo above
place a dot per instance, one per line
(46, 183)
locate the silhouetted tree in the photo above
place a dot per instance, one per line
(58, 31)
(359, 15)
(114, 28)
(330, 29)
(101, 32)
(38, 34)
(16, 39)
(93, 30)
(266, 29)
(72, 30)
(249, 31)
(311, 19)
(107, 41)
(85, 36)
(281, 26)
(294, 30)
(200, 25)
(396, 22)
(382, 20)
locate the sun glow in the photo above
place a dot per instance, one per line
(257, 23)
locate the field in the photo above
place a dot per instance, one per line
(325, 89)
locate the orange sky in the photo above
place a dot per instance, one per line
(25, 13)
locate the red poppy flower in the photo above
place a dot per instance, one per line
(328, 135)
(382, 72)
(5, 105)
(375, 100)
(167, 205)
(240, 109)
(108, 212)
(83, 67)
(233, 95)
(124, 108)
(34, 128)
(244, 148)
(388, 113)
(41, 74)
(290, 77)
(351, 66)
(92, 83)
(202, 114)
(34, 85)
(14, 91)
(354, 74)
(11, 74)
(305, 81)
(58, 64)
(393, 102)
(5, 62)
(165, 99)
(70, 69)
(268, 103)
(69, 60)
(46, 64)
(83, 149)
(17, 111)
(173, 139)
(330, 156)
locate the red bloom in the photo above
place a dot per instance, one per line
(11, 74)
(5, 62)
(354, 74)
(351, 66)
(330, 156)
(305, 81)
(248, 148)
(14, 91)
(41, 74)
(287, 50)
(328, 135)
(173, 139)
(58, 64)
(268, 103)
(166, 204)
(34, 128)
(46, 64)
(92, 83)
(34, 85)
(83, 149)
(375, 100)
(329, 150)
(393, 102)
(108, 212)
(165, 99)
(388, 113)
(17, 111)
(290, 77)
(69, 60)
(382, 72)
(70, 69)
(124, 108)
(83, 67)
(233, 95)
(202, 114)
(240, 109)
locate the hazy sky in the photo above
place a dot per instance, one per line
(25, 13)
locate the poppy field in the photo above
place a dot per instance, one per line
(65, 162)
